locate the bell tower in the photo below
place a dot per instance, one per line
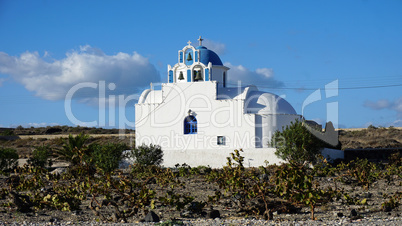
(197, 64)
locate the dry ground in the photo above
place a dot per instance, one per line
(371, 138)
(199, 188)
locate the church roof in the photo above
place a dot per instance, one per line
(207, 56)
(259, 102)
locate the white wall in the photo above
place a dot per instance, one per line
(253, 157)
(163, 123)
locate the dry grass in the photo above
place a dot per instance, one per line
(371, 138)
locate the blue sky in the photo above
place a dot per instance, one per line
(291, 48)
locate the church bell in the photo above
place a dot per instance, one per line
(189, 57)
(198, 75)
(181, 77)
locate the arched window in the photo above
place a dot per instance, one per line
(190, 125)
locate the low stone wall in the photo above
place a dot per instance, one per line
(372, 154)
(9, 137)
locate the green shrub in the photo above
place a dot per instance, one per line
(361, 171)
(40, 157)
(148, 155)
(295, 182)
(395, 159)
(296, 143)
(8, 159)
(107, 157)
(392, 203)
(73, 149)
(7, 132)
(244, 185)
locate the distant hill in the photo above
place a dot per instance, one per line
(371, 137)
(54, 130)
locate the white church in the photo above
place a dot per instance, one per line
(198, 119)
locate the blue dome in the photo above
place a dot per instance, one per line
(207, 56)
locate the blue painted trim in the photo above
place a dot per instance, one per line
(181, 57)
(196, 56)
(170, 76)
(188, 75)
(206, 74)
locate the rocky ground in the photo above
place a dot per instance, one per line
(226, 211)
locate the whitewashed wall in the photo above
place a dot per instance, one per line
(163, 123)
(253, 157)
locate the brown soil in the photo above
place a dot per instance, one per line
(229, 208)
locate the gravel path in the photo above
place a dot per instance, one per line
(217, 221)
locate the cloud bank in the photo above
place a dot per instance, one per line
(51, 79)
(386, 104)
(389, 105)
(261, 77)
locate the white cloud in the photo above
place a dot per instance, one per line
(51, 79)
(263, 77)
(217, 47)
(267, 72)
(397, 123)
(386, 104)
(377, 105)
(397, 106)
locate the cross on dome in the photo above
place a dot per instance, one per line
(200, 40)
